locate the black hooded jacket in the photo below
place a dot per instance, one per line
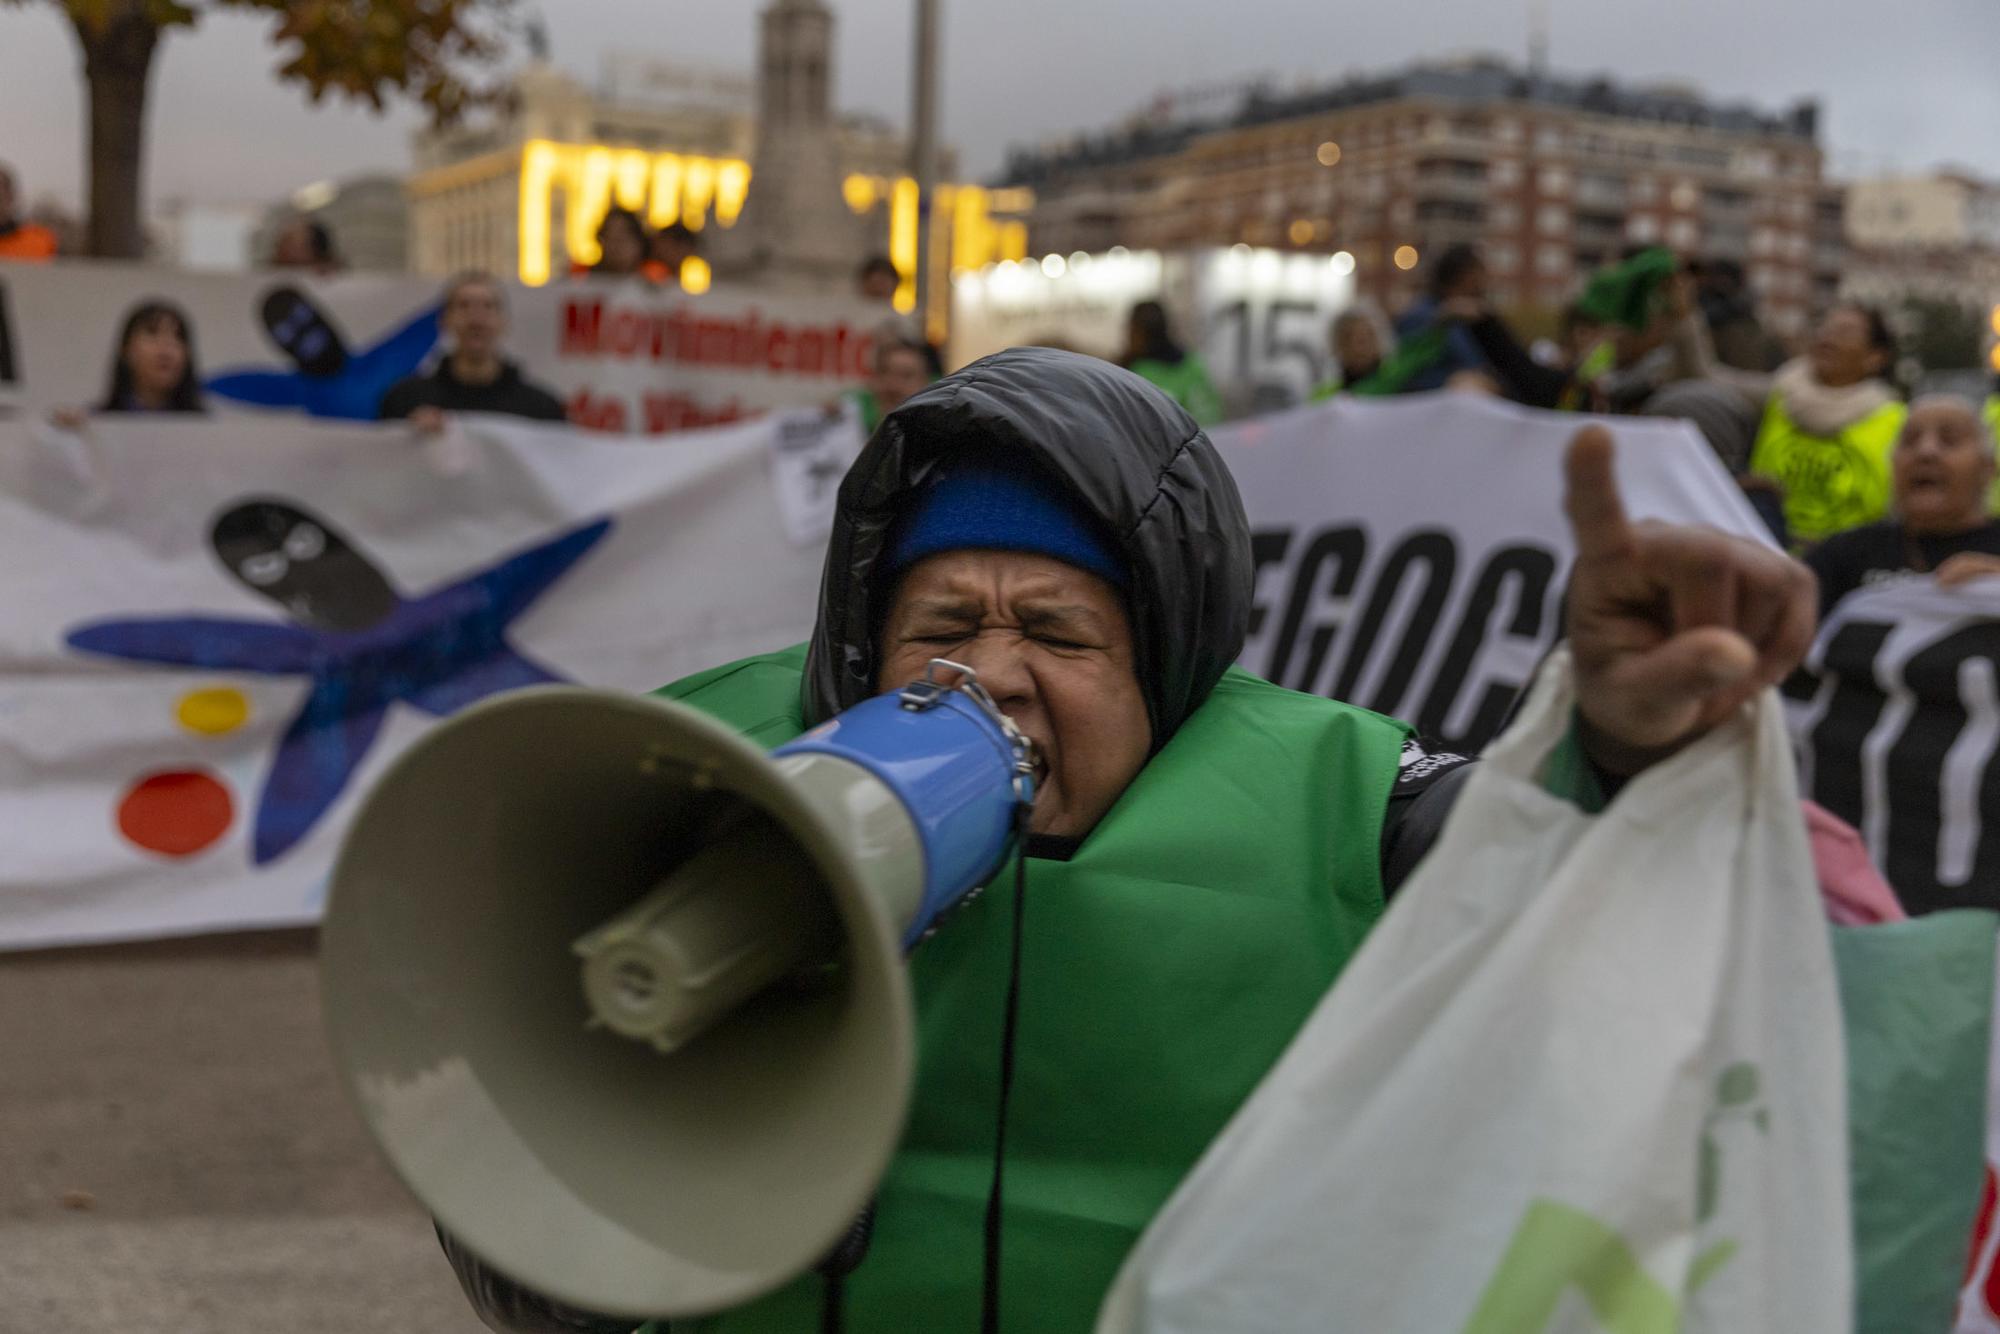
(1121, 447)
(1161, 492)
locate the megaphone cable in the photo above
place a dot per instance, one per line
(989, 1304)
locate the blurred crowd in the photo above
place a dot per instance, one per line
(1824, 439)
(1842, 460)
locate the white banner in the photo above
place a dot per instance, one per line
(1897, 717)
(225, 628)
(1411, 552)
(623, 356)
(218, 632)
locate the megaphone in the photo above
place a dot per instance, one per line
(620, 996)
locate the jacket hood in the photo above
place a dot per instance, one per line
(1124, 450)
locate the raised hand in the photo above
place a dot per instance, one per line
(1671, 627)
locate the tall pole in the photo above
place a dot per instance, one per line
(923, 145)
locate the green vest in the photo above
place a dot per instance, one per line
(1186, 382)
(866, 408)
(1832, 483)
(1992, 416)
(1165, 968)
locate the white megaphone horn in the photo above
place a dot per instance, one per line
(620, 996)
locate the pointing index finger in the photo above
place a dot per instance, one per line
(1596, 513)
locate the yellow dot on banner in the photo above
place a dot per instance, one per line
(213, 712)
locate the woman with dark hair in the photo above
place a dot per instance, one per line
(1830, 419)
(1153, 353)
(153, 369)
(623, 243)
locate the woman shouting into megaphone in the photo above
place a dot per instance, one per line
(1206, 850)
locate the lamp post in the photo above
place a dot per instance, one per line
(923, 145)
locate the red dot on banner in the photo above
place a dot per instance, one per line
(176, 813)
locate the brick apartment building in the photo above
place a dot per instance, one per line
(1551, 176)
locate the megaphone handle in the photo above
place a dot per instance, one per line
(502, 1303)
(852, 1248)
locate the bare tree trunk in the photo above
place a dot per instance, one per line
(117, 62)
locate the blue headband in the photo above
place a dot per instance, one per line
(980, 507)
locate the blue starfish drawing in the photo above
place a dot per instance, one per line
(330, 381)
(438, 653)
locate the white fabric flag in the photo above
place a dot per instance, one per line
(219, 631)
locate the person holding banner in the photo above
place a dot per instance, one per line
(153, 368)
(1206, 850)
(474, 376)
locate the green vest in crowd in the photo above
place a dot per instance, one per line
(1165, 967)
(1992, 416)
(867, 409)
(1186, 382)
(1832, 482)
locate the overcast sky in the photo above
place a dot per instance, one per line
(1904, 86)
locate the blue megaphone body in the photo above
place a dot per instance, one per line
(961, 769)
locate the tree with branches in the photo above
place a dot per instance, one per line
(368, 51)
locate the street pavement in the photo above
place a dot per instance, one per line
(176, 1156)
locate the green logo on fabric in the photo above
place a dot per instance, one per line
(1556, 1247)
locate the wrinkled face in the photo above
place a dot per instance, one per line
(1355, 345)
(475, 319)
(624, 248)
(1841, 353)
(1052, 645)
(1944, 467)
(902, 372)
(157, 355)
